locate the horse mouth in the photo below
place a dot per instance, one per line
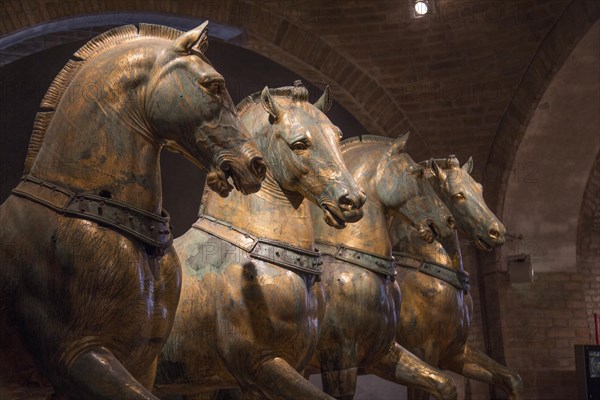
(483, 245)
(434, 230)
(217, 181)
(333, 215)
(243, 180)
(423, 232)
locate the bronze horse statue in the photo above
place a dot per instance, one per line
(250, 310)
(437, 307)
(362, 297)
(89, 280)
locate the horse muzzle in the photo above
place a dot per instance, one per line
(347, 208)
(424, 232)
(246, 170)
(494, 237)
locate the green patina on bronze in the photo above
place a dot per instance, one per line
(359, 325)
(85, 305)
(247, 322)
(436, 313)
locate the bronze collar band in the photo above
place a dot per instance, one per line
(458, 279)
(373, 262)
(272, 251)
(150, 229)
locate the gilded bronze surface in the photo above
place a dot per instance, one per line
(359, 324)
(82, 304)
(436, 316)
(246, 322)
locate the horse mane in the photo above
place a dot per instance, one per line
(443, 163)
(295, 93)
(63, 79)
(356, 140)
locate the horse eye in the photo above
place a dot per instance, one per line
(458, 196)
(214, 88)
(299, 146)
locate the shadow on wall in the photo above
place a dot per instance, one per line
(25, 81)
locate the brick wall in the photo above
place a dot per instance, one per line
(588, 246)
(576, 20)
(541, 321)
(532, 327)
(535, 325)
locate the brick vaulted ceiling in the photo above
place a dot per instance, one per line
(451, 77)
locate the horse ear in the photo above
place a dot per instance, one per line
(468, 166)
(324, 102)
(399, 144)
(438, 173)
(196, 39)
(269, 104)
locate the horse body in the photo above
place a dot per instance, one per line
(363, 302)
(247, 321)
(233, 315)
(87, 304)
(436, 315)
(56, 292)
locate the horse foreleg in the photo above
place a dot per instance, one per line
(96, 374)
(474, 364)
(278, 380)
(403, 367)
(147, 379)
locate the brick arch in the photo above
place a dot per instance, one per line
(572, 25)
(265, 32)
(577, 19)
(560, 42)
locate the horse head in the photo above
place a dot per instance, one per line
(464, 197)
(190, 111)
(403, 190)
(302, 149)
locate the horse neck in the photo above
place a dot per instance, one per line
(451, 245)
(98, 141)
(370, 232)
(405, 240)
(270, 213)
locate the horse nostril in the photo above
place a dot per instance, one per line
(494, 234)
(347, 202)
(451, 223)
(258, 167)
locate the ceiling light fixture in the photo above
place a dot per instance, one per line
(421, 7)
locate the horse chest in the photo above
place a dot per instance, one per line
(144, 286)
(82, 269)
(285, 298)
(360, 309)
